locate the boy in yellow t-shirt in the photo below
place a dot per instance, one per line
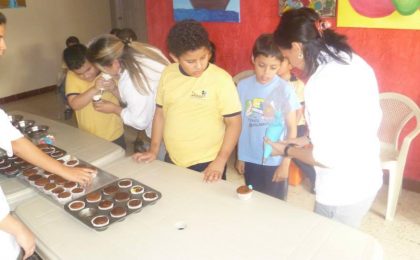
(82, 84)
(198, 112)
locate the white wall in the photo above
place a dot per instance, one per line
(35, 38)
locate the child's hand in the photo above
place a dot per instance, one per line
(144, 157)
(26, 240)
(105, 107)
(300, 141)
(278, 147)
(214, 171)
(103, 84)
(281, 173)
(240, 167)
(83, 176)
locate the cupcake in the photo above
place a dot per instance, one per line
(121, 196)
(49, 187)
(5, 165)
(110, 190)
(47, 173)
(64, 197)
(93, 197)
(48, 150)
(56, 191)
(100, 221)
(33, 178)
(41, 182)
(42, 146)
(60, 180)
(137, 189)
(150, 196)
(11, 171)
(68, 186)
(134, 203)
(71, 163)
(57, 154)
(118, 212)
(29, 172)
(244, 192)
(77, 192)
(53, 178)
(105, 205)
(76, 205)
(126, 183)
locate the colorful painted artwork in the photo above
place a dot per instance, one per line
(207, 10)
(326, 8)
(385, 14)
(12, 3)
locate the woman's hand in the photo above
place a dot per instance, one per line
(102, 84)
(240, 167)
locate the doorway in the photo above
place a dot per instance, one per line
(131, 14)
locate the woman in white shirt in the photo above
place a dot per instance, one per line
(137, 68)
(343, 114)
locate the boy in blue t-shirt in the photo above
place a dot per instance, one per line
(270, 177)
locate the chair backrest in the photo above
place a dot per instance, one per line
(397, 111)
(242, 75)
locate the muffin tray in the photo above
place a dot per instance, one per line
(95, 211)
(56, 188)
(13, 166)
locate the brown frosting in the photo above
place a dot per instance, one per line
(41, 182)
(105, 204)
(121, 196)
(77, 205)
(93, 197)
(69, 185)
(110, 190)
(125, 183)
(64, 194)
(100, 220)
(50, 186)
(134, 203)
(243, 189)
(150, 195)
(118, 212)
(34, 177)
(29, 172)
(57, 190)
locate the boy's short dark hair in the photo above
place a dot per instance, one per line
(187, 35)
(3, 19)
(75, 56)
(72, 40)
(265, 45)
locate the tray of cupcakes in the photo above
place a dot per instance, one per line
(58, 189)
(13, 166)
(112, 203)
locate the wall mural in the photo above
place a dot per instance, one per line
(207, 10)
(386, 14)
(325, 8)
(12, 3)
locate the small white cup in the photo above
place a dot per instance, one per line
(244, 192)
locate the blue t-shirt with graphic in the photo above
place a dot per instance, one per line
(253, 96)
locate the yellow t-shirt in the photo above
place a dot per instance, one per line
(194, 109)
(106, 126)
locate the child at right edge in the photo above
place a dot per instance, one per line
(254, 91)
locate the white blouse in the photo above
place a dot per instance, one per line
(140, 108)
(343, 115)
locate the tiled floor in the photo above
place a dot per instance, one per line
(399, 238)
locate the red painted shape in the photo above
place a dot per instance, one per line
(394, 54)
(373, 8)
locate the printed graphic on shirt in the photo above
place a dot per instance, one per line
(200, 94)
(254, 110)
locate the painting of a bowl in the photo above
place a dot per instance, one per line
(210, 4)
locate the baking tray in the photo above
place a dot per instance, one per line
(20, 165)
(92, 210)
(102, 178)
(14, 162)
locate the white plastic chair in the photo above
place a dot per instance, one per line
(242, 75)
(397, 111)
